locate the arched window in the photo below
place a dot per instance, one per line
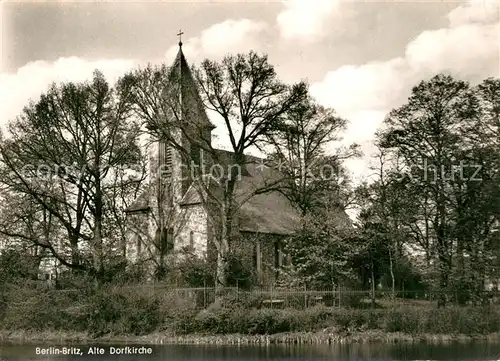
(191, 239)
(164, 240)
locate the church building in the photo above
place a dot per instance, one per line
(171, 214)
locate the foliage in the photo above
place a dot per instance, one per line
(408, 279)
(130, 311)
(320, 255)
(190, 270)
(16, 266)
(413, 321)
(33, 309)
(112, 311)
(65, 164)
(372, 260)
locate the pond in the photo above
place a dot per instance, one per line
(358, 352)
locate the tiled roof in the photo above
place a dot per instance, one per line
(141, 204)
(268, 212)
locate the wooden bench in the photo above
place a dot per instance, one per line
(314, 300)
(274, 302)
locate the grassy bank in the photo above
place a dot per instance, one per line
(321, 337)
(117, 315)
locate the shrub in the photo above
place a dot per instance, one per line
(129, 311)
(75, 279)
(239, 273)
(266, 321)
(184, 322)
(452, 320)
(192, 271)
(37, 310)
(16, 266)
(354, 300)
(243, 300)
(405, 320)
(123, 313)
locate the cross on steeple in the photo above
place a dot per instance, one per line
(179, 34)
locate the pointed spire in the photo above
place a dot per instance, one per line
(188, 92)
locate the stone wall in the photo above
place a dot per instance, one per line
(141, 249)
(194, 232)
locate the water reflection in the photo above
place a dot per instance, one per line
(357, 352)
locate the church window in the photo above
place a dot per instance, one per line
(164, 240)
(138, 246)
(170, 239)
(277, 258)
(196, 155)
(191, 239)
(257, 258)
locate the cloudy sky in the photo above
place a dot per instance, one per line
(360, 57)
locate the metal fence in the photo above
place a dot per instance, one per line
(272, 297)
(303, 298)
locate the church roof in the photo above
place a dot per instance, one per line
(267, 212)
(192, 104)
(141, 204)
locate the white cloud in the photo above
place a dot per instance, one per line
(475, 11)
(31, 80)
(230, 36)
(366, 87)
(306, 19)
(468, 48)
(364, 94)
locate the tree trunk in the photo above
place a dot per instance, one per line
(221, 276)
(393, 280)
(444, 266)
(443, 282)
(75, 252)
(442, 248)
(477, 273)
(462, 289)
(222, 253)
(97, 254)
(221, 270)
(226, 230)
(373, 284)
(98, 251)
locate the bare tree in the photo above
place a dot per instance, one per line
(301, 152)
(60, 153)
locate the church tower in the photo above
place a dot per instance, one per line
(171, 160)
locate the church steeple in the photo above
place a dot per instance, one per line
(194, 128)
(192, 108)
